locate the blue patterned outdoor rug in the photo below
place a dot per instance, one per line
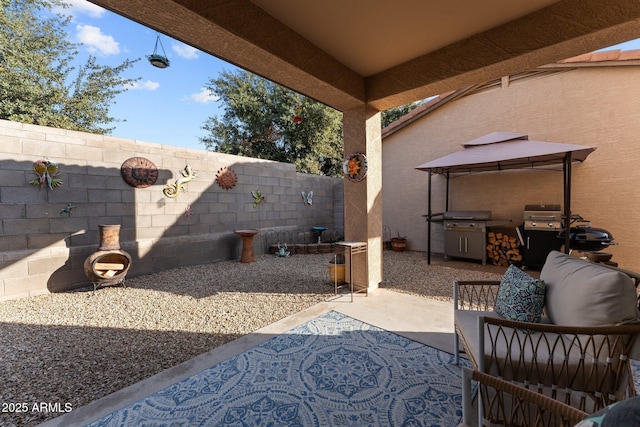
(331, 371)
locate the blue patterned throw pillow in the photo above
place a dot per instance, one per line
(625, 413)
(520, 297)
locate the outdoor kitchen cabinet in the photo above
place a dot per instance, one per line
(466, 242)
(537, 245)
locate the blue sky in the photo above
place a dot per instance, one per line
(166, 106)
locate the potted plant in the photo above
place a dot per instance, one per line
(399, 244)
(336, 269)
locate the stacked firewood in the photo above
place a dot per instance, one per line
(502, 249)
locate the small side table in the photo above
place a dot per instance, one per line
(355, 248)
(247, 244)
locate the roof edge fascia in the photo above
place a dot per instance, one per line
(428, 107)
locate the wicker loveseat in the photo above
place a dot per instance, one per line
(579, 353)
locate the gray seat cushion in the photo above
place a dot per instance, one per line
(529, 354)
(583, 293)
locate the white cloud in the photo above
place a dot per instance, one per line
(204, 96)
(83, 7)
(93, 38)
(146, 85)
(185, 51)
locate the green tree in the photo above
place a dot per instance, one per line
(392, 114)
(265, 120)
(37, 80)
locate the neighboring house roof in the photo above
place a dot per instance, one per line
(603, 56)
(594, 59)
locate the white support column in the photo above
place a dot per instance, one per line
(363, 200)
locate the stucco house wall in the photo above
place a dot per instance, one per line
(42, 250)
(595, 106)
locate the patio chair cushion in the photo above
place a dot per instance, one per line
(520, 296)
(584, 293)
(528, 352)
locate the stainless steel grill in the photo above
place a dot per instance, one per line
(542, 217)
(539, 233)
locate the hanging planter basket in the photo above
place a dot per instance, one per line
(157, 60)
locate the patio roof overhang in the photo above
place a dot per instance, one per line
(387, 53)
(503, 151)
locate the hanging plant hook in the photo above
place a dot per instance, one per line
(157, 60)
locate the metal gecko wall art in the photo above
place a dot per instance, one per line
(172, 190)
(258, 198)
(68, 210)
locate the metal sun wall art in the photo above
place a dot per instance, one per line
(47, 172)
(226, 178)
(172, 190)
(139, 172)
(355, 167)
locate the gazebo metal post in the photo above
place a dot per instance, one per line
(430, 211)
(566, 169)
(429, 220)
(446, 200)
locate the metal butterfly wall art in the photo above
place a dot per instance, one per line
(307, 197)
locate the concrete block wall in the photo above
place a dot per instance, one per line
(42, 250)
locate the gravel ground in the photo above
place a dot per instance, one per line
(66, 350)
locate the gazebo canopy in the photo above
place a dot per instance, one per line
(504, 150)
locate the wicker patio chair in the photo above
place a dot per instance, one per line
(585, 367)
(507, 404)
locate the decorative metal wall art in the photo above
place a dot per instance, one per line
(172, 190)
(226, 178)
(307, 197)
(257, 198)
(355, 167)
(47, 172)
(139, 172)
(68, 210)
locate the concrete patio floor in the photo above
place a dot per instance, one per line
(420, 319)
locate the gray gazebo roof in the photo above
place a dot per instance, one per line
(504, 150)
